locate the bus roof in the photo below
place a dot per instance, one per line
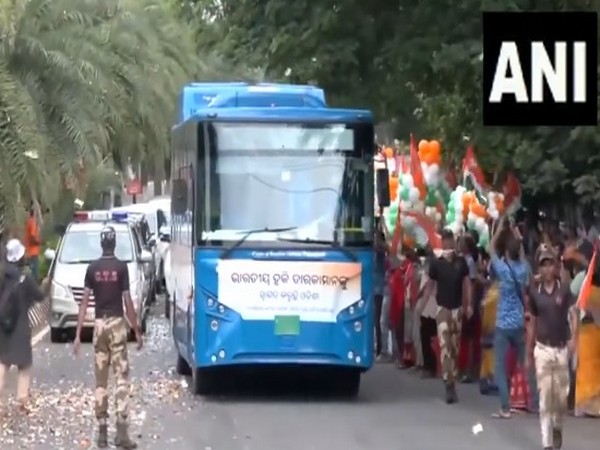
(195, 96)
(284, 115)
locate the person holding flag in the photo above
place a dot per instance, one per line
(586, 286)
(550, 341)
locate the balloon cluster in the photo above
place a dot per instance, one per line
(465, 211)
(410, 195)
(455, 214)
(430, 155)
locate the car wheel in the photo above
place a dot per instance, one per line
(182, 367)
(57, 335)
(144, 324)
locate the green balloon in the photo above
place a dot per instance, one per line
(392, 218)
(450, 215)
(405, 194)
(393, 209)
(431, 199)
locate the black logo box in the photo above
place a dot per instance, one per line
(548, 27)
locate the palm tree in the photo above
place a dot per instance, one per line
(81, 80)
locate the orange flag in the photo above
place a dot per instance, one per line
(586, 287)
(415, 167)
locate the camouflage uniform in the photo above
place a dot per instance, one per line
(110, 345)
(552, 373)
(449, 323)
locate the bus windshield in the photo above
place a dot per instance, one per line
(312, 178)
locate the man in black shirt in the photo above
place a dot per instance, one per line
(108, 279)
(454, 298)
(550, 339)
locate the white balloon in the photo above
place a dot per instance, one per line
(428, 179)
(494, 214)
(434, 169)
(424, 167)
(391, 164)
(414, 195)
(458, 207)
(405, 205)
(407, 180)
(480, 224)
(472, 217)
(501, 196)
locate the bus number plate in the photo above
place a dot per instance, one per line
(287, 325)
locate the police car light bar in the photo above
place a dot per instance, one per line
(119, 216)
(85, 216)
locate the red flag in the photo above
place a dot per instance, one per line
(586, 286)
(429, 226)
(512, 193)
(415, 167)
(451, 178)
(471, 169)
(401, 165)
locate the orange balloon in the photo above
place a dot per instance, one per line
(500, 205)
(423, 146)
(408, 241)
(435, 147)
(426, 157)
(478, 209)
(393, 183)
(393, 193)
(436, 158)
(389, 152)
(467, 199)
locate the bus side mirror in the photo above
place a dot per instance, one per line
(179, 200)
(383, 188)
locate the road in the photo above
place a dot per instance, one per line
(395, 410)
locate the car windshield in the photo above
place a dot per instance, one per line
(84, 247)
(273, 176)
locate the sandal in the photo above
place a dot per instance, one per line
(501, 415)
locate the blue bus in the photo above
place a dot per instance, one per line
(197, 96)
(272, 242)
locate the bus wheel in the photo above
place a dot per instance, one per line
(203, 382)
(349, 383)
(182, 367)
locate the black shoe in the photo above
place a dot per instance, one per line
(451, 396)
(557, 438)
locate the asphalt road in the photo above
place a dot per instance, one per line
(395, 410)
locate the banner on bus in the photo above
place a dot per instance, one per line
(314, 291)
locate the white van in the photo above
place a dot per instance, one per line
(77, 248)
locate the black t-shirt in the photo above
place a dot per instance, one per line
(108, 278)
(551, 310)
(449, 275)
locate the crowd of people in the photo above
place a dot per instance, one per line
(506, 317)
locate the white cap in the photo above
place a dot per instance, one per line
(14, 250)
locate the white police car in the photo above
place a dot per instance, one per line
(79, 246)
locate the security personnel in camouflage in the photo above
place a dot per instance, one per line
(108, 279)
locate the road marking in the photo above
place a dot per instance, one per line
(40, 335)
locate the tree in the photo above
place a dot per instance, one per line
(81, 80)
(418, 64)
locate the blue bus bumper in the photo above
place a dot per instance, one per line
(222, 336)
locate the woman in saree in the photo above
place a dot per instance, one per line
(587, 385)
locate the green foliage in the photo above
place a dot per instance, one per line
(415, 63)
(82, 81)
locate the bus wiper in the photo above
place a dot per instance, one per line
(249, 233)
(334, 244)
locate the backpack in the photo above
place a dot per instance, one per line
(9, 302)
